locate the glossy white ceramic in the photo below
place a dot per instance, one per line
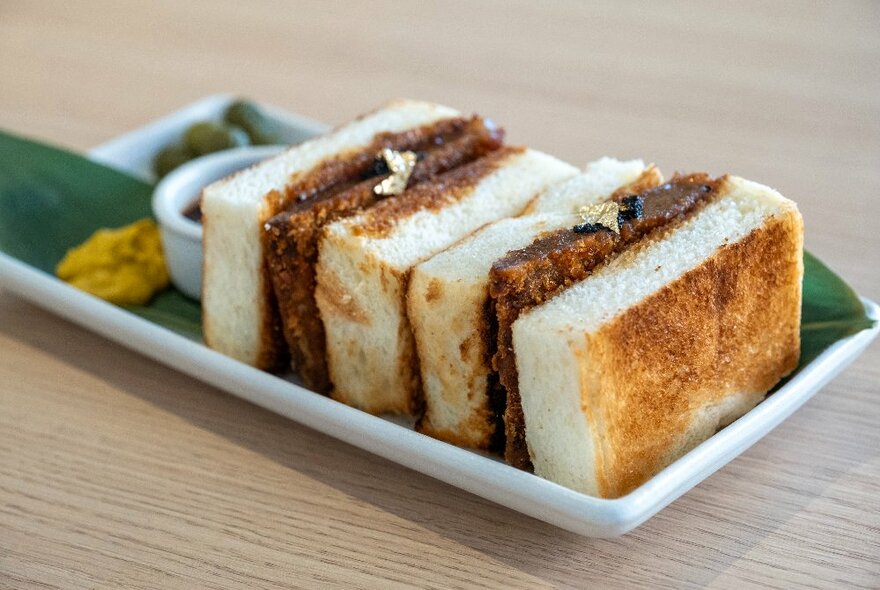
(181, 236)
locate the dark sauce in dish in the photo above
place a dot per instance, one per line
(193, 211)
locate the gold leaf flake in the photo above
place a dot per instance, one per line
(604, 214)
(401, 165)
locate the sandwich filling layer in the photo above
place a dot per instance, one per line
(338, 188)
(529, 276)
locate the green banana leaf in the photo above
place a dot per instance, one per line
(52, 200)
(830, 310)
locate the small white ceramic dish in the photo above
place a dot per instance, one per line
(134, 152)
(473, 472)
(181, 236)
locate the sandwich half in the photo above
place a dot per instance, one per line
(240, 315)
(364, 265)
(449, 307)
(666, 339)
(529, 276)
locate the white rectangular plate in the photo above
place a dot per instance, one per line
(476, 473)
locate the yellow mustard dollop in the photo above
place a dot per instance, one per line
(125, 266)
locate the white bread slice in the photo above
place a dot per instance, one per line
(598, 176)
(448, 295)
(237, 314)
(630, 368)
(362, 277)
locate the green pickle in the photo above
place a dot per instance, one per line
(170, 158)
(208, 137)
(261, 129)
(243, 124)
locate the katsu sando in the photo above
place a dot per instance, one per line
(527, 277)
(670, 325)
(240, 317)
(364, 264)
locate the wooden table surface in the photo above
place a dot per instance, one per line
(117, 472)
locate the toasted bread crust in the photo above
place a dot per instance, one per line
(408, 360)
(480, 430)
(271, 354)
(333, 301)
(473, 433)
(728, 327)
(343, 304)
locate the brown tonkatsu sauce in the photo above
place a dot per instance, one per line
(341, 187)
(193, 211)
(529, 276)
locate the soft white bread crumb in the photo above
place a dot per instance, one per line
(448, 293)
(236, 314)
(601, 177)
(446, 305)
(701, 322)
(362, 280)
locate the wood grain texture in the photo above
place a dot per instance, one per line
(118, 472)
